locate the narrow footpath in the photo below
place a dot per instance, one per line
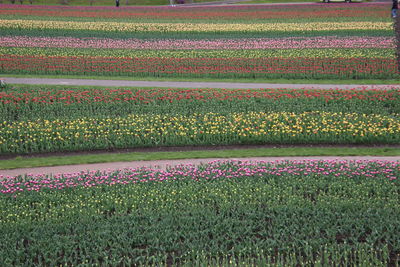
(228, 85)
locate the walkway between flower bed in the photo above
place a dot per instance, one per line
(191, 84)
(163, 164)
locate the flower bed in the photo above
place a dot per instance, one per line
(244, 12)
(69, 119)
(249, 213)
(221, 42)
(198, 129)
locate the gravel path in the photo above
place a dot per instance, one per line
(162, 164)
(190, 84)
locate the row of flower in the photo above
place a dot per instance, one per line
(204, 44)
(169, 27)
(244, 42)
(140, 130)
(331, 53)
(39, 119)
(44, 102)
(243, 12)
(220, 214)
(68, 95)
(216, 170)
(301, 68)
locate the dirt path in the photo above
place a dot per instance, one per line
(231, 85)
(162, 164)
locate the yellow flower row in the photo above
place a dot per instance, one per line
(194, 27)
(266, 53)
(144, 129)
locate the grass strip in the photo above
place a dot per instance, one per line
(180, 79)
(28, 162)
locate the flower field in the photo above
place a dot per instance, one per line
(314, 41)
(225, 213)
(220, 214)
(49, 119)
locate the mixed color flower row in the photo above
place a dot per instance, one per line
(52, 119)
(204, 44)
(52, 96)
(166, 27)
(243, 42)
